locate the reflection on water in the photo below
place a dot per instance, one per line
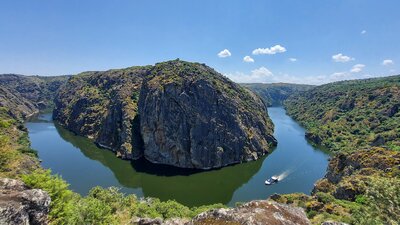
(84, 166)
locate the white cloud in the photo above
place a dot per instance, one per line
(363, 32)
(248, 59)
(260, 75)
(292, 59)
(357, 68)
(387, 62)
(224, 53)
(341, 58)
(269, 51)
(263, 75)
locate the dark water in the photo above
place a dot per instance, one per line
(84, 166)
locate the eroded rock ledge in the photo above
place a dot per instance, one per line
(21, 205)
(259, 212)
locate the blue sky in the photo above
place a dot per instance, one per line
(326, 38)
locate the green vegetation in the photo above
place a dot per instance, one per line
(361, 188)
(362, 185)
(276, 93)
(350, 115)
(16, 156)
(103, 206)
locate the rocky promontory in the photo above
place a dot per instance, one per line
(176, 113)
(193, 117)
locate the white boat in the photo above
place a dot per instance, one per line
(272, 180)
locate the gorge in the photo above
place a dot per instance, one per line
(356, 120)
(84, 166)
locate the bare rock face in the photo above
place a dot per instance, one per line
(20, 205)
(193, 117)
(103, 107)
(254, 213)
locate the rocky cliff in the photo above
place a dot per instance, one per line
(103, 107)
(187, 114)
(361, 187)
(193, 117)
(21, 205)
(27, 95)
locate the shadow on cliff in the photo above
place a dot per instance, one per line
(189, 187)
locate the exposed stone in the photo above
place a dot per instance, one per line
(193, 117)
(254, 213)
(103, 107)
(189, 115)
(20, 205)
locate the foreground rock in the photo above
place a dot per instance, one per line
(20, 205)
(252, 213)
(193, 117)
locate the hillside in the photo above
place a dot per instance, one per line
(188, 115)
(27, 95)
(103, 106)
(274, 94)
(349, 115)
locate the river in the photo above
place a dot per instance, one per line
(83, 166)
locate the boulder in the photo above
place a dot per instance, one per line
(255, 212)
(21, 205)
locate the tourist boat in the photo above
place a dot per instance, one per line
(272, 180)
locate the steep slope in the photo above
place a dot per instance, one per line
(362, 187)
(27, 95)
(276, 93)
(16, 156)
(103, 106)
(190, 115)
(193, 117)
(350, 114)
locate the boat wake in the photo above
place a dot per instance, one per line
(283, 175)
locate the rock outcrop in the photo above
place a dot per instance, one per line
(103, 107)
(26, 95)
(21, 205)
(193, 117)
(176, 113)
(258, 212)
(348, 174)
(254, 213)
